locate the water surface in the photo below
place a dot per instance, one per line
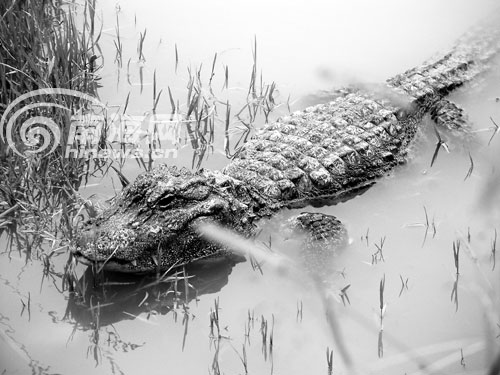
(304, 47)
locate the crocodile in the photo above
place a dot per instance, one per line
(325, 153)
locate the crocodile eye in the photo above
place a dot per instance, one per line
(165, 201)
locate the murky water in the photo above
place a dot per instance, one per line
(432, 318)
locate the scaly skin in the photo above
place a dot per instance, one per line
(324, 152)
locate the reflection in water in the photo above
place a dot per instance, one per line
(108, 298)
(454, 293)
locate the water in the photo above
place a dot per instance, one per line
(304, 47)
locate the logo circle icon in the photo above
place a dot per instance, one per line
(38, 134)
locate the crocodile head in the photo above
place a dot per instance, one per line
(152, 223)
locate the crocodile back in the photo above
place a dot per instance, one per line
(330, 150)
(326, 150)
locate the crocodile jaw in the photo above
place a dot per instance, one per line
(152, 224)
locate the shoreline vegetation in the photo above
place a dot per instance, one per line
(51, 44)
(44, 44)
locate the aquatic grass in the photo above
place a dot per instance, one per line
(288, 103)
(140, 46)
(342, 273)
(200, 113)
(128, 71)
(413, 355)
(365, 237)
(214, 320)
(493, 251)
(70, 280)
(227, 123)
(118, 44)
(381, 298)
(216, 339)
(263, 332)
(215, 362)
(495, 129)
(427, 225)
(246, 334)
(456, 259)
(249, 325)
(404, 285)
(226, 77)
(300, 311)
(46, 48)
(379, 254)
(200, 117)
(280, 262)
(343, 294)
(271, 339)
(260, 100)
(329, 360)
(445, 352)
(454, 292)
(27, 306)
(185, 322)
(176, 58)
(94, 347)
(440, 143)
(243, 357)
(256, 265)
(471, 168)
(456, 253)
(212, 74)
(380, 345)
(141, 76)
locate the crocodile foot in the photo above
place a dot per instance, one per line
(449, 115)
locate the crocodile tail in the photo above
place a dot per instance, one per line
(470, 56)
(482, 41)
